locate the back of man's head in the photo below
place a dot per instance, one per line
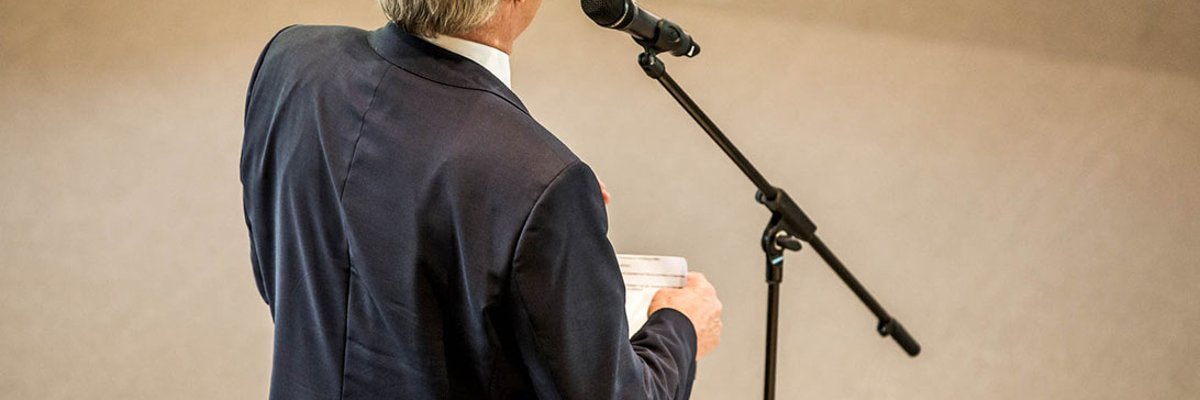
(439, 17)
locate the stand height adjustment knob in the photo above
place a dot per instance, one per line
(786, 241)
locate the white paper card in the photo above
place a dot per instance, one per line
(644, 276)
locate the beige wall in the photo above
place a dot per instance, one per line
(1017, 181)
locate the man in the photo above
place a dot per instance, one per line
(417, 235)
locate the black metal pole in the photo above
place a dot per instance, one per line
(657, 70)
(789, 225)
(772, 340)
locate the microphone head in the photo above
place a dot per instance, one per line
(605, 12)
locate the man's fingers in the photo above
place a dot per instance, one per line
(604, 192)
(699, 282)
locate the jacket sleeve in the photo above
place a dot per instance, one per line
(247, 196)
(569, 304)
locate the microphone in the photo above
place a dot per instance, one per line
(650, 31)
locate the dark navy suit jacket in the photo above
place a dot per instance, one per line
(417, 235)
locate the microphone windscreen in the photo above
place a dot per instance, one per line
(604, 12)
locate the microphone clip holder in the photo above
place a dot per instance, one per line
(669, 38)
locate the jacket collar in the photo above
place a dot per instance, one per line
(429, 61)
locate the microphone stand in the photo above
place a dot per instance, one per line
(785, 231)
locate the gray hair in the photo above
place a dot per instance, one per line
(433, 17)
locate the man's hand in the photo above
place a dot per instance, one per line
(604, 193)
(698, 301)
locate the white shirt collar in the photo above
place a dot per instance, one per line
(491, 58)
